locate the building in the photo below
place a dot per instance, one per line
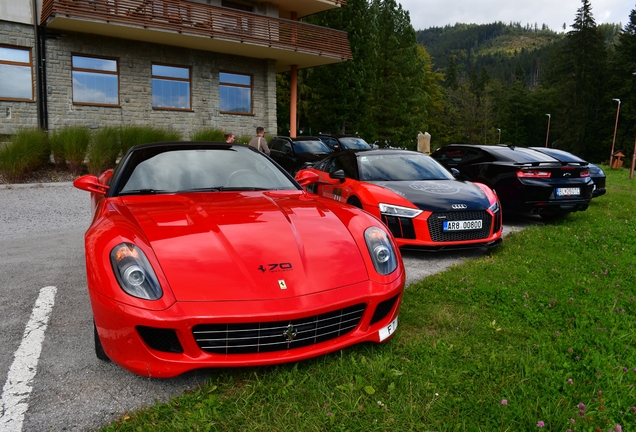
(181, 64)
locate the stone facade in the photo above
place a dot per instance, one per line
(135, 86)
(16, 114)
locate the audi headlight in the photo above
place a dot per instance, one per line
(381, 250)
(393, 210)
(134, 272)
(495, 207)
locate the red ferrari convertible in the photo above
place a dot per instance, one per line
(422, 204)
(210, 255)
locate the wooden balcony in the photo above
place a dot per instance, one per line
(203, 27)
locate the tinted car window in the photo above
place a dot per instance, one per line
(450, 155)
(311, 147)
(519, 154)
(277, 145)
(397, 167)
(343, 162)
(354, 143)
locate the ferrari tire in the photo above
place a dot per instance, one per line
(354, 201)
(99, 350)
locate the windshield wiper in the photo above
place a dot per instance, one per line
(143, 192)
(204, 189)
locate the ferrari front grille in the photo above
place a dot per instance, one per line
(436, 226)
(400, 227)
(278, 335)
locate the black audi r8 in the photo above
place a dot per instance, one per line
(526, 181)
(421, 203)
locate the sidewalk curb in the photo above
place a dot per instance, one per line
(33, 185)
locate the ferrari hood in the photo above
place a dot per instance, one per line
(438, 195)
(247, 245)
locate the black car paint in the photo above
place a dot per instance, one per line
(293, 160)
(596, 174)
(497, 166)
(438, 195)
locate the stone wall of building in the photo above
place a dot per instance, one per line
(16, 115)
(135, 86)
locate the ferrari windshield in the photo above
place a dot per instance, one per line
(401, 166)
(194, 168)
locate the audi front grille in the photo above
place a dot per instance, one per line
(436, 226)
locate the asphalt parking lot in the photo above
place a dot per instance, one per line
(63, 386)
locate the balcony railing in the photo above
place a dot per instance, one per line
(190, 18)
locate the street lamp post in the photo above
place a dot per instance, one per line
(618, 110)
(547, 134)
(499, 141)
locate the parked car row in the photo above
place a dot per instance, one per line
(213, 255)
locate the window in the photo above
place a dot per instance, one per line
(95, 81)
(17, 73)
(235, 5)
(171, 87)
(235, 93)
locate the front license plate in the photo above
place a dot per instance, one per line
(568, 191)
(462, 225)
(387, 331)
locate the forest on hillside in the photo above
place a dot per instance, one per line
(473, 83)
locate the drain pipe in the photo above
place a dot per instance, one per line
(39, 72)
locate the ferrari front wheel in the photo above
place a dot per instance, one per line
(99, 350)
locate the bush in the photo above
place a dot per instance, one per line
(27, 151)
(103, 151)
(72, 142)
(134, 135)
(211, 134)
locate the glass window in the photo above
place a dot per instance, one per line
(95, 81)
(235, 93)
(16, 73)
(171, 87)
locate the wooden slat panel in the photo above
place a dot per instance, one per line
(209, 21)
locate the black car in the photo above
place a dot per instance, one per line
(295, 153)
(526, 181)
(344, 142)
(596, 174)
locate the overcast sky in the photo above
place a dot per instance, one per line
(438, 13)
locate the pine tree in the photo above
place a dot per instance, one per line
(578, 78)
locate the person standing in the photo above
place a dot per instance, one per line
(259, 142)
(229, 138)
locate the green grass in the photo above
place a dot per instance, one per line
(104, 149)
(69, 146)
(209, 134)
(26, 151)
(554, 303)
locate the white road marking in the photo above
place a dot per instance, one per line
(16, 391)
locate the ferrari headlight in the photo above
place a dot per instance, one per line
(134, 272)
(393, 210)
(381, 250)
(495, 207)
